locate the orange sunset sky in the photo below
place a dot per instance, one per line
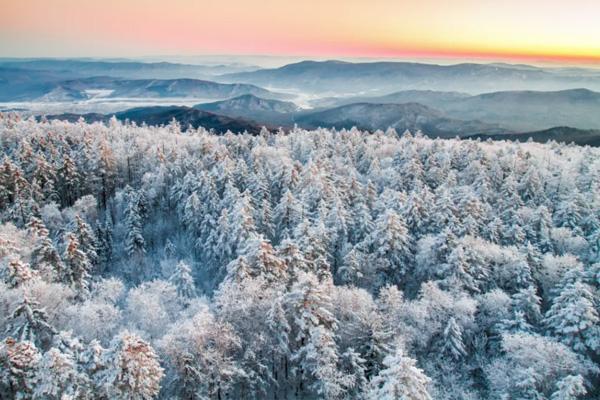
(555, 30)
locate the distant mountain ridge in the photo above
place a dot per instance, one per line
(380, 77)
(16, 85)
(124, 68)
(517, 110)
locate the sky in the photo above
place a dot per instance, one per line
(553, 30)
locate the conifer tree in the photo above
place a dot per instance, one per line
(18, 364)
(400, 379)
(529, 303)
(77, 266)
(315, 351)
(286, 216)
(392, 244)
(87, 239)
(452, 340)
(569, 388)
(18, 273)
(29, 322)
(353, 367)
(183, 281)
(135, 244)
(69, 179)
(573, 319)
(132, 369)
(57, 377)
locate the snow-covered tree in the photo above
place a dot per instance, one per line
(135, 244)
(183, 280)
(452, 340)
(29, 322)
(132, 369)
(18, 364)
(57, 377)
(569, 388)
(400, 379)
(77, 268)
(573, 318)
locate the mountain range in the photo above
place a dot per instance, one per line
(517, 110)
(19, 85)
(124, 68)
(470, 100)
(385, 77)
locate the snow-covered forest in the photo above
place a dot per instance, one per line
(157, 262)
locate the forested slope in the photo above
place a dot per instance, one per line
(142, 262)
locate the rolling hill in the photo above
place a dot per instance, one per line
(156, 116)
(254, 107)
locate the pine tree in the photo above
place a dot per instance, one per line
(376, 345)
(517, 323)
(183, 281)
(44, 255)
(279, 330)
(529, 303)
(391, 243)
(286, 216)
(294, 259)
(132, 369)
(18, 363)
(45, 175)
(104, 241)
(18, 273)
(462, 272)
(573, 319)
(170, 249)
(315, 350)
(69, 181)
(452, 340)
(361, 221)
(87, 239)
(135, 244)
(544, 226)
(241, 222)
(192, 213)
(30, 323)
(400, 379)
(570, 387)
(569, 211)
(350, 272)
(57, 377)
(263, 260)
(77, 266)
(355, 380)
(415, 212)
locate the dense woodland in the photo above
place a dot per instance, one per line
(159, 262)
